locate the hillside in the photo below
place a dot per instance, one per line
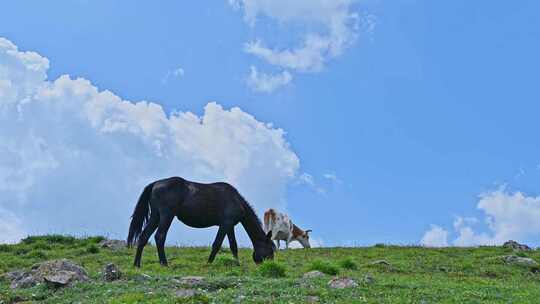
(411, 275)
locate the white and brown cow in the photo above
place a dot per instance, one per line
(283, 229)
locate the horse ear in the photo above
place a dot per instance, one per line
(269, 235)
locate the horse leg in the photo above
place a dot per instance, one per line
(217, 242)
(150, 227)
(232, 244)
(161, 234)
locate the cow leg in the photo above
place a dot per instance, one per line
(278, 244)
(232, 244)
(217, 242)
(164, 224)
(286, 244)
(150, 227)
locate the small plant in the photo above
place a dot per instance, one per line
(324, 267)
(226, 261)
(50, 239)
(272, 269)
(95, 239)
(5, 248)
(348, 263)
(37, 254)
(92, 249)
(41, 245)
(521, 254)
(21, 251)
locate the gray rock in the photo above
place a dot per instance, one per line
(186, 293)
(341, 283)
(313, 274)
(26, 280)
(526, 262)
(380, 262)
(312, 299)
(12, 275)
(142, 277)
(368, 279)
(192, 281)
(60, 279)
(114, 245)
(111, 272)
(516, 246)
(56, 273)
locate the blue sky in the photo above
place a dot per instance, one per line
(426, 115)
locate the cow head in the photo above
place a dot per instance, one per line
(304, 239)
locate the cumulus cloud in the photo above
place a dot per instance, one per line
(267, 83)
(507, 216)
(435, 237)
(74, 159)
(328, 28)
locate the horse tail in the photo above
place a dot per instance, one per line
(140, 215)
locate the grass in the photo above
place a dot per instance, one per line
(415, 275)
(272, 269)
(348, 263)
(324, 267)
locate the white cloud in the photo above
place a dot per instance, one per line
(74, 159)
(10, 228)
(435, 237)
(176, 73)
(314, 242)
(507, 216)
(328, 28)
(267, 83)
(333, 177)
(309, 180)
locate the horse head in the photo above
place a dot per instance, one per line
(264, 250)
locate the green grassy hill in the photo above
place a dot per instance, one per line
(414, 275)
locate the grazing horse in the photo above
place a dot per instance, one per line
(200, 206)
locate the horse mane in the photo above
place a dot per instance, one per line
(251, 211)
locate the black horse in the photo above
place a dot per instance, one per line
(199, 206)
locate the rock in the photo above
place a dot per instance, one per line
(341, 283)
(60, 279)
(12, 275)
(312, 299)
(526, 262)
(192, 281)
(368, 279)
(114, 245)
(56, 273)
(380, 262)
(111, 272)
(142, 277)
(186, 293)
(516, 246)
(26, 280)
(313, 274)
(240, 299)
